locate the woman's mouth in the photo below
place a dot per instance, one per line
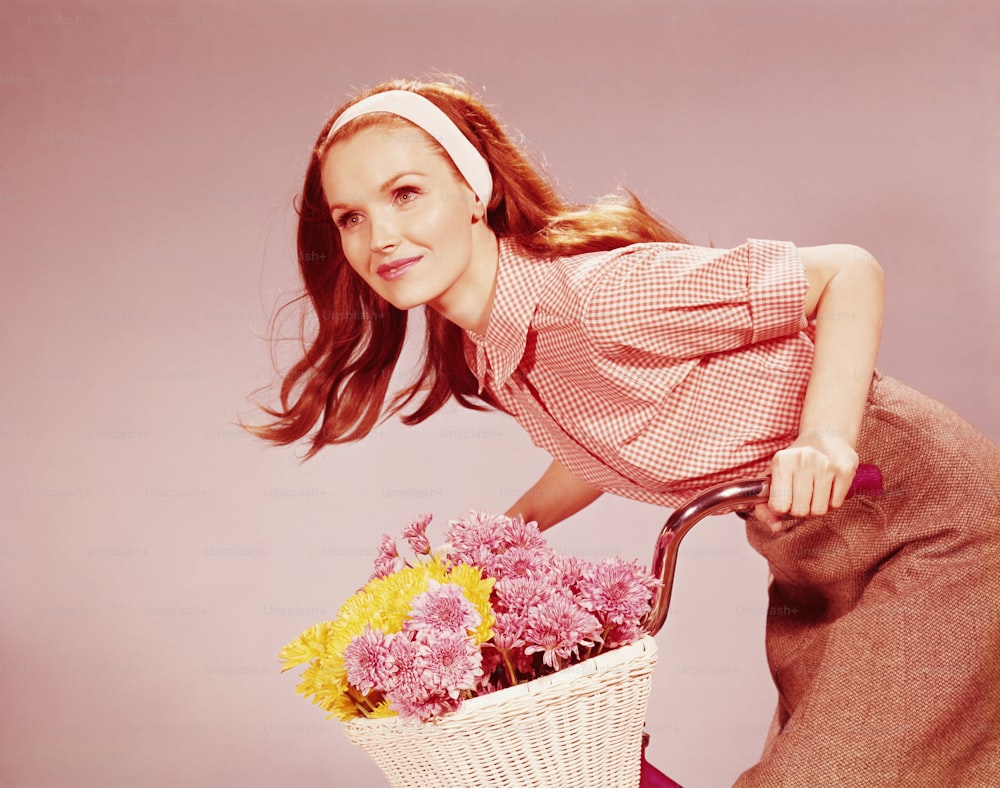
(397, 268)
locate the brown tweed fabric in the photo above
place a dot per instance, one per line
(883, 635)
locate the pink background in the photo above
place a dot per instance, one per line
(154, 559)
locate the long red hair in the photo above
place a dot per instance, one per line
(342, 380)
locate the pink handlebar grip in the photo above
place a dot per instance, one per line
(867, 482)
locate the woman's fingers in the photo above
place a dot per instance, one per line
(842, 485)
(807, 481)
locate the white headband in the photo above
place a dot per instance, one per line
(428, 116)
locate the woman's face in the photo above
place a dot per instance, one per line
(407, 219)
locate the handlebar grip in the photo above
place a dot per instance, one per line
(732, 496)
(867, 482)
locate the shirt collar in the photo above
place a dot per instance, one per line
(519, 284)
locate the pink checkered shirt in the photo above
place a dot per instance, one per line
(655, 370)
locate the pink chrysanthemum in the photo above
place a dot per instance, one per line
(622, 635)
(399, 663)
(476, 529)
(500, 546)
(520, 594)
(424, 705)
(557, 628)
(617, 591)
(568, 570)
(404, 685)
(365, 659)
(521, 562)
(387, 547)
(415, 535)
(508, 631)
(442, 608)
(426, 677)
(515, 532)
(449, 663)
(387, 559)
(477, 539)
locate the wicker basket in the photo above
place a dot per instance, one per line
(579, 727)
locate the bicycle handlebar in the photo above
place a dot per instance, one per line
(737, 496)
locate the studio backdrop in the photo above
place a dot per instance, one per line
(154, 558)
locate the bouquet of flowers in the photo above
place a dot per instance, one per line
(492, 608)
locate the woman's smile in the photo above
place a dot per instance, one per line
(396, 268)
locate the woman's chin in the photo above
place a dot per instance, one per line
(405, 303)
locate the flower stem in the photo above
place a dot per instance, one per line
(511, 673)
(361, 701)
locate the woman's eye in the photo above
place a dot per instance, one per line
(406, 194)
(348, 220)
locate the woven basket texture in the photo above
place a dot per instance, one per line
(578, 728)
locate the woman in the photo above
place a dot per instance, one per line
(651, 368)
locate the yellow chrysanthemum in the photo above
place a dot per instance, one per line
(382, 710)
(342, 707)
(309, 645)
(393, 595)
(438, 570)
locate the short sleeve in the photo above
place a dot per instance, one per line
(777, 287)
(679, 301)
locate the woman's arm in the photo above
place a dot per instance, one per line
(554, 497)
(846, 294)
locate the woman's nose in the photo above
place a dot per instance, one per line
(384, 234)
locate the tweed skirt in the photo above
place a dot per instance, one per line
(883, 633)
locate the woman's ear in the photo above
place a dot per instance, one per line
(478, 210)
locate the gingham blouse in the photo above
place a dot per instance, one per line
(655, 370)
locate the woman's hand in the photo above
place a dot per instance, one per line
(809, 478)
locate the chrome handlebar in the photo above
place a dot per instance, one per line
(736, 496)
